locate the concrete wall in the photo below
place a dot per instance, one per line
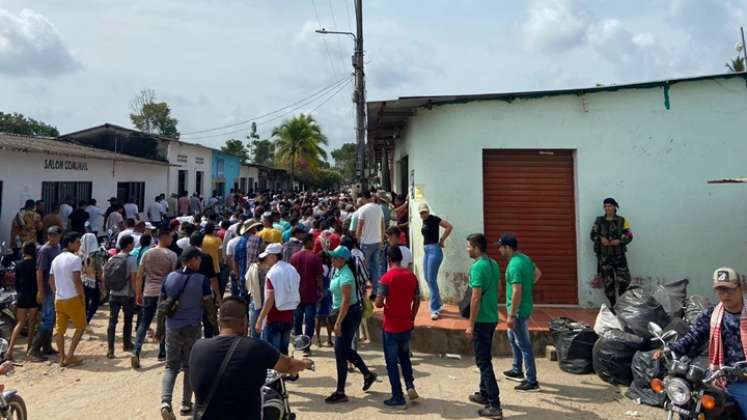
(231, 170)
(22, 175)
(655, 161)
(191, 158)
(252, 177)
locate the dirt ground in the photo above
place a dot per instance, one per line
(110, 389)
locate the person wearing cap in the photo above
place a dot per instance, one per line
(521, 275)
(269, 234)
(433, 244)
(611, 235)
(347, 312)
(41, 344)
(724, 328)
(282, 297)
(245, 253)
(183, 328)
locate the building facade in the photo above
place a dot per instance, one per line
(249, 178)
(45, 169)
(191, 169)
(226, 172)
(539, 164)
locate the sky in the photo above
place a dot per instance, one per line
(78, 63)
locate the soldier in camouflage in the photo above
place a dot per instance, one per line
(611, 234)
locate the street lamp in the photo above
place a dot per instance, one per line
(323, 31)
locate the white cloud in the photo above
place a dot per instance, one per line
(31, 45)
(554, 24)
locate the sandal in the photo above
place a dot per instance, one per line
(72, 362)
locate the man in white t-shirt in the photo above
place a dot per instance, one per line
(155, 211)
(393, 240)
(131, 210)
(370, 234)
(96, 217)
(67, 286)
(66, 209)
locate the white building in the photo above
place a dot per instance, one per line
(191, 168)
(51, 170)
(249, 178)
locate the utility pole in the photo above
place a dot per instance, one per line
(744, 47)
(360, 96)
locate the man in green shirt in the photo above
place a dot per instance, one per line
(521, 275)
(484, 279)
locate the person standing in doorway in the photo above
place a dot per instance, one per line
(192, 290)
(521, 275)
(96, 218)
(370, 234)
(399, 295)
(309, 266)
(155, 212)
(42, 341)
(69, 304)
(611, 235)
(434, 254)
(120, 273)
(484, 280)
(131, 209)
(66, 209)
(79, 218)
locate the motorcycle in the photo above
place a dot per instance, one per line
(690, 390)
(8, 301)
(275, 403)
(12, 405)
(7, 266)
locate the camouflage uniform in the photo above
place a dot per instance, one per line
(612, 266)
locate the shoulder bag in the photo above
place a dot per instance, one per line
(466, 303)
(204, 406)
(169, 305)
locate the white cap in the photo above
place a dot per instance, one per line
(271, 249)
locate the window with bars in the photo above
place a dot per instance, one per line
(54, 193)
(128, 190)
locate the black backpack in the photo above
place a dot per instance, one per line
(115, 272)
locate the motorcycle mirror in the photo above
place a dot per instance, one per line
(301, 342)
(669, 334)
(654, 329)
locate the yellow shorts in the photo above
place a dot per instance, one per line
(70, 310)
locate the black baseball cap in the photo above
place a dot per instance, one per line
(508, 240)
(190, 253)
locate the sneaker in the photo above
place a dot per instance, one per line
(491, 413)
(368, 381)
(412, 394)
(186, 409)
(161, 357)
(166, 412)
(526, 386)
(396, 402)
(478, 398)
(513, 375)
(336, 398)
(135, 363)
(434, 317)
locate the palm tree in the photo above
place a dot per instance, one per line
(736, 65)
(298, 143)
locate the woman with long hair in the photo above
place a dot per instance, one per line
(26, 288)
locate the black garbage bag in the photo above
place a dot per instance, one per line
(646, 396)
(636, 308)
(574, 343)
(679, 325)
(696, 305)
(673, 297)
(612, 356)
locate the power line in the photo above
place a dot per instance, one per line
(332, 96)
(326, 46)
(347, 11)
(299, 105)
(337, 39)
(252, 119)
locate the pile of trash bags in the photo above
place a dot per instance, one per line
(619, 348)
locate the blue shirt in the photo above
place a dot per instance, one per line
(700, 332)
(189, 312)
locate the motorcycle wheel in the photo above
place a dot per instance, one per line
(6, 329)
(16, 408)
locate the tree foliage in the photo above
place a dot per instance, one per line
(153, 117)
(298, 144)
(345, 158)
(236, 147)
(16, 123)
(263, 152)
(736, 65)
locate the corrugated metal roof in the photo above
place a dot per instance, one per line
(50, 146)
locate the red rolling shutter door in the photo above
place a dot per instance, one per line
(531, 193)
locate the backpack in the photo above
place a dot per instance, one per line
(115, 272)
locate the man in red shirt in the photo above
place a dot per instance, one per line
(399, 295)
(309, 266)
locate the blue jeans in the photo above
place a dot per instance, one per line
(434, 255)
(253, 315)
(483, 345)
(147, 313)
(47, 312)
(305, 315)
(278, 335)
(521, 344)
(397, 351)
(738, 391)
(373, 262)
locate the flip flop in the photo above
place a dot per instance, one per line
(72, 363)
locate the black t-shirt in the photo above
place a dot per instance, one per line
(26, 279)
(78, 221)
(207, 268)
(238, 394)
(431, 229)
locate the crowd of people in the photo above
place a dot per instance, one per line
(269, 266)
